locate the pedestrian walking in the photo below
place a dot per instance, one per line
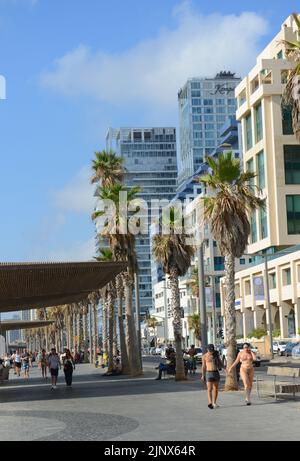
(246, 358)
(192, 359)
(26, 363)
(43, 363)
(211, 366)
(17, 363)
(54, 365)
(69, 367)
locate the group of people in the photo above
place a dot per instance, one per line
(52, 363)
(211, 367)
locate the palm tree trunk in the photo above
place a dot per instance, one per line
(91, 334)
(177, 323)
(78, 332)
(131, 336)
(110, 332)
(85, 335)
(124, 356)
(230, 321)
(104, 325)
(95, 334)
(115, 333)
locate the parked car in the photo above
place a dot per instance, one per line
(289, 349)
(296, 352)
(199, 354)
(279, 347)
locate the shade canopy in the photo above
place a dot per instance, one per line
(38, 285)
(9, 325)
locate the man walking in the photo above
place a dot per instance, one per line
(54, 364)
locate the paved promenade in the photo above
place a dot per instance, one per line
(123, 409)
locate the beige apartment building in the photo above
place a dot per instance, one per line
(270, 148)
(284, 289)
(273, 153)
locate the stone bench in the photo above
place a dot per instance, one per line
(276, 387)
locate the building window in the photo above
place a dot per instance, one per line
(273, 281)
(242, 261)
(219, 263)
(253, 223)
(263, 223)
(286, 277)
(242, 98)
(250, 169)
(258, 123)
(248, 129)
(293, 214)
(292, 164)
(280, 55)
(287, 119)
(247, 287)
(261, 170)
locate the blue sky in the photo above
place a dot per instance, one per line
(75, 67)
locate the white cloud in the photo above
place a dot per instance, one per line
(78, 195)
(152, 71)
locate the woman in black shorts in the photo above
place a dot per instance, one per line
(211, 364)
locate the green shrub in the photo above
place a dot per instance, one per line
(258, 333)
(276, 333)
(240, 337)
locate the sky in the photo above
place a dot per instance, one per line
(73, 68)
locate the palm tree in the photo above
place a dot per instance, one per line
(123, 248)
(194, 325)
(107, 168)
(226, 210)
(291, 93)
(120, 296)
(109, 297)
(152, 323)
(94, 299)
(174, 255)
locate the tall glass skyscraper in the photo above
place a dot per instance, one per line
(205, 104)
(150, 162)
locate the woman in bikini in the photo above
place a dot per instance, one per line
(246, 358)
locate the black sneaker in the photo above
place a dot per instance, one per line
(210, 406)
(248, 403)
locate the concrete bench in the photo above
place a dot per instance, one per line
(277, 387)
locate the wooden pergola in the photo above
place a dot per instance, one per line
(10, 325)
(25, 286)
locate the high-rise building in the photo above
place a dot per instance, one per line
(150, 162)
(27, 315)
(270, 147)
(205, 104)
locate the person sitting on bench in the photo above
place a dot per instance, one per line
(169, 367)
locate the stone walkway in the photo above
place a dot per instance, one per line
(124, 409)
